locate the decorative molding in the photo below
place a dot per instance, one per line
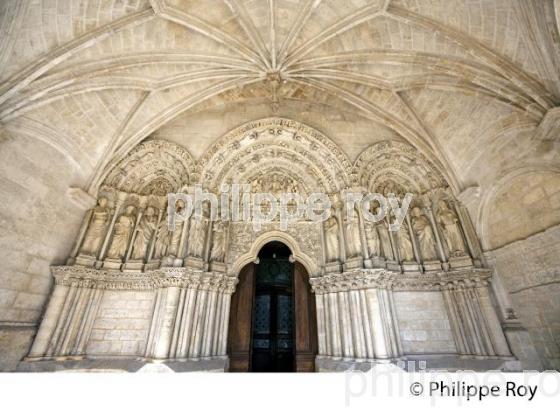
(384, 279)
(83, 277)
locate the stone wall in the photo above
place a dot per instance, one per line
(509, 218)
(122, 324)
(533, 285)
(38, 224)
(423, 323)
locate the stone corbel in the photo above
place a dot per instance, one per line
(81, 198)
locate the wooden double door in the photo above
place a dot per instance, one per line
(272, 321)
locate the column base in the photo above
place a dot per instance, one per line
(134, 265)
(84, 260)
(458, 262)
(218, 267)
(354, 263)
(333, 267)
(432, 266)
(112, 264)
(195, 263)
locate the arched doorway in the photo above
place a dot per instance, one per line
(272, 318)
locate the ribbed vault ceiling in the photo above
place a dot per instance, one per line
(95, 77)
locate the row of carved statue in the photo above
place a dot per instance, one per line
(137, 233)
(425, 235)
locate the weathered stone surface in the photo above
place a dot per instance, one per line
(133, 99)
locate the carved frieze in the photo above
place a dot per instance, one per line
(384, 279)
(80, 276)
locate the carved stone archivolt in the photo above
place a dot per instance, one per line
(154, 167)
(391, 166)
(306, 156)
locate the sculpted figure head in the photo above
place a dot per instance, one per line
(150, 211)
(443, 205)
(129, 210)
(179, 205)
(416, 211)
(102, 202)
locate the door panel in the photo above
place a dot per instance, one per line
(305, 321)
(273, 332)
(240, 320)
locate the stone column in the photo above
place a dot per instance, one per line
(361, 224)
(496, 334)
(475, 253)
(209, 320)
(154, 237)
(134, 233)
(414, 241)
(368, 331)
(435, 228)
(396, 250)
(323, 244)
(87, 323)
(59, 333)
(341, 236)
(219, 317)
(321, 333)
(186, 324)
(173, 351)
(345, 324)
(356, 316)
(381, 349)
(329, 351)
(336, 341)
(80, 239)
(455, 320)
(198, 323)
(389, 319)
(49, 323)
(161, 333)
(222, 350)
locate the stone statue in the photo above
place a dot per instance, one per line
(405, 244)
(372, 239)
(331, 239)
(121, 234)
(385, 240)
(380, 230)
(353, 241)
(449, 222)
(175, 235)
(218, 252)
(97, 226)
(145, 232)
(163, 238)
(197, 235)
(423, 231)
